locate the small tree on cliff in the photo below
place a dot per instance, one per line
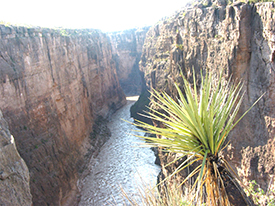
(196, 126)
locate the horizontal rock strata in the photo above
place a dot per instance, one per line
(54, 84)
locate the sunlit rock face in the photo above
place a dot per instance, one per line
(53, 87)
(14, 173)
(240, 40)
(127, 49)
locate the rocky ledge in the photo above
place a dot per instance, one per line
(14, 173)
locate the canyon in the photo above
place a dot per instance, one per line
(55, 85)
(58, 88)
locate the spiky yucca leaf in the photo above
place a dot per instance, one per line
(196, 125)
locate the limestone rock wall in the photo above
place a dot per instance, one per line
(127, 49)
(53, 86)
(14, 173)
(240, 39)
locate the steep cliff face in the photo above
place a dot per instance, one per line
(14, 173)
(127, 49)
(240, 39)
(53, 87)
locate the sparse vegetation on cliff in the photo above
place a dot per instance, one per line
(196, 126)
(259, 196)
(174, 197)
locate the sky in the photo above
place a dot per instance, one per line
(106, 15)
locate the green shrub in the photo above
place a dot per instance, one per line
(259, 196)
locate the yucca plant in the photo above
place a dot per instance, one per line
(196, 126)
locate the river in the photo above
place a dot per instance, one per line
(121, 163)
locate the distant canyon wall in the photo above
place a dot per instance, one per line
(240, 40)
(127, 50)
(54, 84)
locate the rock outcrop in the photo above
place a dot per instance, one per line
(240, 39)
(54, 84)
(127, 49)
(14, 173)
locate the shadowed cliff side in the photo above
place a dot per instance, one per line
(127, 49)
(54, 84)
(240, 39)
(14, 173)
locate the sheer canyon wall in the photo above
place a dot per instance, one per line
(127, 49)
(240, 40)
(54, 85)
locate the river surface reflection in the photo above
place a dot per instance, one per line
(120, 163)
